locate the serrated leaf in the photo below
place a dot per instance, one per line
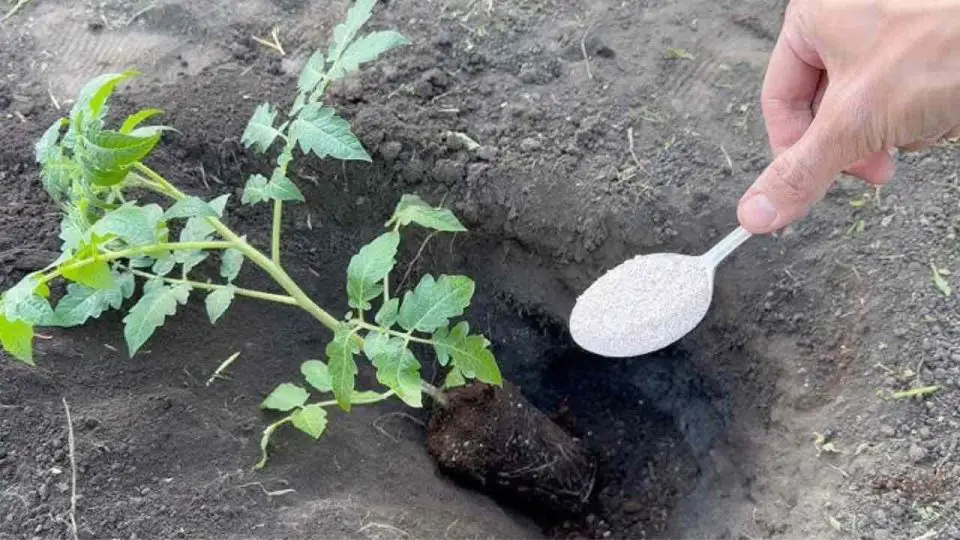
(375, 344)
(231, 264)
(454, 379)
(158, 302)
(57, 175)
(127, 284)
(413, 209)
(470, 355)
(317, 375)
(82, 303)
(344, 32)
(312, 73)
(196, 230)
(311, 420)
(319, 130)
(433, 302)
(95, 275)
(105, 157)
(940, 282)
(218, 301)
(138, 118)
(387, 315)
(190, 259)
(398, 370)
(15, 298)
(162, 267)
(190, 207)
(17, 339)
(135, 225)
(343, 368)
(253, 192)
(366, 49)
(280, 188)
(46, 147)
(286, 397)
(33, 310)
(89, 106)
(369, 267)
(260, 133)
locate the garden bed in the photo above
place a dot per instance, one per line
(598, 139)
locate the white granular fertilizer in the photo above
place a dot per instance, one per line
(643, 305)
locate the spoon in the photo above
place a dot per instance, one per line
(649, 302)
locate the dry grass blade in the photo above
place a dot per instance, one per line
(73, 472)
(13, 11)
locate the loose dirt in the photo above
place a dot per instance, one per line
(607, 129)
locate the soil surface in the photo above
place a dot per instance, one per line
(606, 129)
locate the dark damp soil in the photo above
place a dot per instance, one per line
(596, 144)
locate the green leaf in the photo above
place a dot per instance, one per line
(399, 370)
(89, 106)
(342, 366)
(387, 316)
(366, 397)
(127, 284)
(82, 303)
(260, 132)
(33, 310)
(319, 130)
(434, 302)
(190, 207)
(940, 282)
(105, 157)
(17, 339)
(162, 267)
(231, 264)
(375, 343)
(254, 192)
(344, 32)
(138, 118)
(366, 49)
(280, 188)
(312, 73)
(286, 397)
(369, 267)
(311, 420)
(95, 275)
(189, 259)
(158, 302)
(470, 354)
(46, 147)
(135, 225)
(57, 175)
(317, 374)
(454, 379)
(413, 209)
(218, 301)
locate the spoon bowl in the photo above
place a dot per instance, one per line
(648, 302)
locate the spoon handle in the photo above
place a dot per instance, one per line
(726, 246)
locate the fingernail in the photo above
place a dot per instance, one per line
(758, 213)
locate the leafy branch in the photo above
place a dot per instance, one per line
(111, 242)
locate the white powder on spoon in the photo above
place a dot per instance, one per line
(643, 305)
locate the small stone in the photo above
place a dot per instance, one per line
(887, 430)
(917, 453)
(487, 153)
(449, 172)
(531, 144)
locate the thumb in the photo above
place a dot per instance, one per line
(800, 176)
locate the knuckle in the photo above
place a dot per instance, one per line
(793, 178)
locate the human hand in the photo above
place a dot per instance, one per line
(848, 81)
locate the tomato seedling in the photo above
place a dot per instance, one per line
(111, 242)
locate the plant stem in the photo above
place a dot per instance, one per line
(270, 297)
(139, 251)
(404, 335)
(273, 269)
(275, 235)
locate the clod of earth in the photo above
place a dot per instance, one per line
(494, 438)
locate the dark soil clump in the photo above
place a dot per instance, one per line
(495, 439)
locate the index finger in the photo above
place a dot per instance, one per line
(790, 88)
